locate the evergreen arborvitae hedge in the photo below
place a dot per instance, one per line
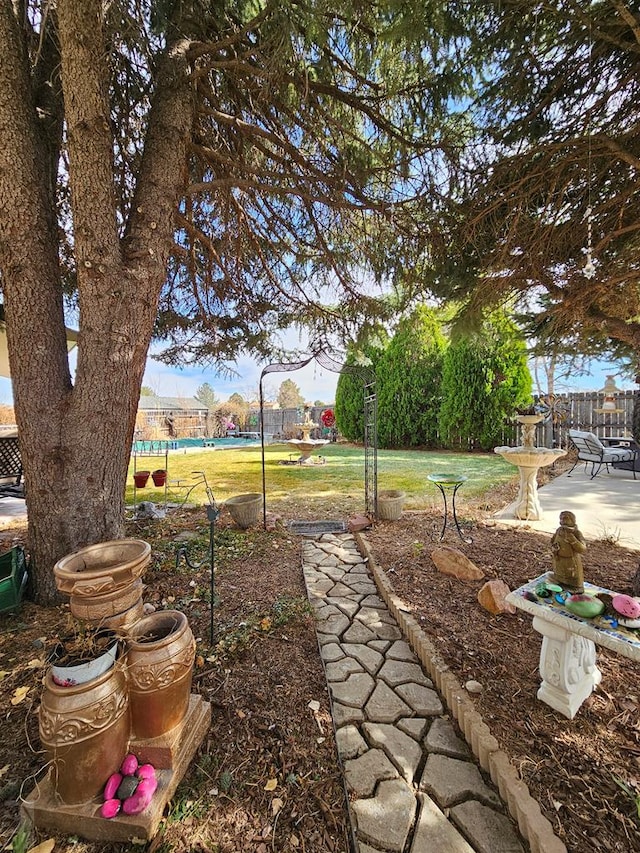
(350, 389)
(485, 379)
(409, 379)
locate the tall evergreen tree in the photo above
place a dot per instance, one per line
(409, 377)
(207, 395)
(485, 379)
(289, 396)
(361, 366)
(550, 209)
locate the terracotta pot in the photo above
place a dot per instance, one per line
(140, 479)
(160, 656)
(101, 568)
(245, 509)
(159, 477)
(390, 503)
(85, 732)
(97, 608)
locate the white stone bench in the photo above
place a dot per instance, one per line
(568, 655)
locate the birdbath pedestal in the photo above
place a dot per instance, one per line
(529, 459)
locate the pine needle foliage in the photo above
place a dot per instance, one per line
(350, 387)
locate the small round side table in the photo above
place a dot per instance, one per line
(453, 483)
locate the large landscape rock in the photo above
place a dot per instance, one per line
(492, 597)
(452, 562)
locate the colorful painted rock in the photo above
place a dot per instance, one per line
(634, 624)
(584, 605)
(627, 606)
(130, 792)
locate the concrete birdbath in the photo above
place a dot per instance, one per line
(529, 459)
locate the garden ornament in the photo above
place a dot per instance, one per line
(567, 546)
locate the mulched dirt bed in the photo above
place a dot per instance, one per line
(267, 778)
(585, 773)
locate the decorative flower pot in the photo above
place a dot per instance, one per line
(140, 479)
(160, 655)
(101, 568)
(87, 665)
(245, 509)
(159, 477)
(85, 731)
(390, 503)
(98, 609)
(121, 622)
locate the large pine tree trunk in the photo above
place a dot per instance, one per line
(75, 437)
(76, 456)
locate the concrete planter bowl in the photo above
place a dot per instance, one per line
(245, 509)
(390, 503)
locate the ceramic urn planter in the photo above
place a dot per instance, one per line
(101, 568)
(85, 730)
(160, 656)
(103, 582)
(100, 609)
(92, 608)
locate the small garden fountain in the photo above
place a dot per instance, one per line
(307, 445)
(119, 735)
(529, 459)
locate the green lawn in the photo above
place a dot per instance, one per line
(338, 484)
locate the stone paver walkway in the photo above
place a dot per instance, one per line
(413, 783)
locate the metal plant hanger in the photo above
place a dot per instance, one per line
(213, 511)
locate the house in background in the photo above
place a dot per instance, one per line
(170, 417)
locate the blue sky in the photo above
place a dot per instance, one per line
(314, 381)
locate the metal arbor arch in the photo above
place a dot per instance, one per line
(370, 409)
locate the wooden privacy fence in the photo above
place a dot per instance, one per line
(584, 410)
(280, 422)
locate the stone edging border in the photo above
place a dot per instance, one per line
(523, 808)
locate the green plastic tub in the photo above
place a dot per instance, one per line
(13, 578)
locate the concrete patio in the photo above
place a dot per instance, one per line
(607, 507)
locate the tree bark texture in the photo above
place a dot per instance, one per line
(75, 437)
